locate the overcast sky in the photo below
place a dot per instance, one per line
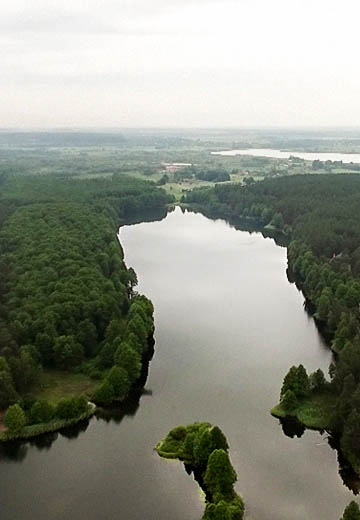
(189, 63)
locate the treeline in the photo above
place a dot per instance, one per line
(328, 165)
(205, 174)
(119, 195)
(67, 298)
(25, 420)
(321, 214)
(321, 210)
(204, 450)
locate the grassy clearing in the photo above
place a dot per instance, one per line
(178, 188)
(316, 412)
(55, 384)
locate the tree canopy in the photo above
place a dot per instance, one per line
(67, 299)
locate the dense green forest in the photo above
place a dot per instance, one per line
(320, 215)
(67, 299)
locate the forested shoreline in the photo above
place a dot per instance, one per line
(320, 215)
(67, 298)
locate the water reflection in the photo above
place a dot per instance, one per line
(44, 441)
(13, 451)
(73, 431)
(126, 409)
(292, 427)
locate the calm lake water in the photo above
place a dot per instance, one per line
(228, 327)
(308, 156)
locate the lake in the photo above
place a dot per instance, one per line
(308, 156)
(228, 327)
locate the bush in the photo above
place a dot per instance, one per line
(15, 418)
(105, 393)
(80, 404)
(178, 433)
(26, 403)
(71, 408)
(95, 373)
(41, 412)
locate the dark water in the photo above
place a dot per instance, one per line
(228, 326)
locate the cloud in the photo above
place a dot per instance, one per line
(51, 23)
(92, 17)
(210, 60)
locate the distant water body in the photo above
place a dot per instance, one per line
(308, 156)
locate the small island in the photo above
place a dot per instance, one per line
(204, 450)
(307, 398)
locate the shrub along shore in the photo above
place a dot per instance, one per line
(54, 425)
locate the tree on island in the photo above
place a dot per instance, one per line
(203, 447)
(15, 418)
(220, 476)
(208, 441)
(352, 512)
(297, 381)
(317, 380)
(289, 401)
(219, 439)
(219, 511)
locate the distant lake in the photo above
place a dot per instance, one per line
(308, 156)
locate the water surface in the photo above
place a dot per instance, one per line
(279, 154)
(228, 327)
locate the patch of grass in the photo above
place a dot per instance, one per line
(55, 384)
(316, 412)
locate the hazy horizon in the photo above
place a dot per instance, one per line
(178, 65)
(310, 128)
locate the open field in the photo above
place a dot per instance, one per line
(316, 412)
(55, 384)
